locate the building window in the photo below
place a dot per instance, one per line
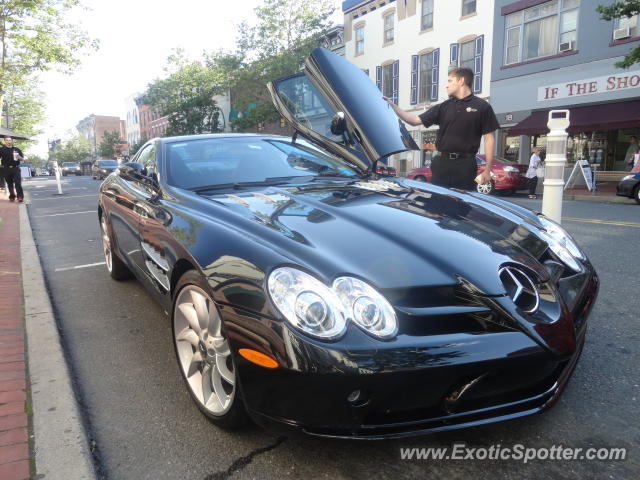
(387, 80)
(625, 27)
(388, 28)
(467, 54)
(427, 15)
(468, 7)
(360, 40)
(425, 77)
(540, 31)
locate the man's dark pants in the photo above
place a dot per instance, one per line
(454, 172)
(12, 176)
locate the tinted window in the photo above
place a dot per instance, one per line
(107, 163)
(216, 161)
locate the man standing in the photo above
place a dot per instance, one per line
(10, 157)
(463, 119)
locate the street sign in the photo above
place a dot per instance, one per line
(585, 171)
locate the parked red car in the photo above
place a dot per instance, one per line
(506, 175)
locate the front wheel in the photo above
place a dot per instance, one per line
(204, 354)
(419, 178)
(636, 193)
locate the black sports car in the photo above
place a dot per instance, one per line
(629, 186)
(308, 292)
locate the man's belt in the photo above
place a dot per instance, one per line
(455, 155)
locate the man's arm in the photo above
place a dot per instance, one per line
(489, 143)
(404, 116)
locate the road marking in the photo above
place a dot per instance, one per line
(64, 197)
(603, 222)
(79, 266)
(69, 213)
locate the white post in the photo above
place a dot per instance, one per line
(58, 178)
(554, 164)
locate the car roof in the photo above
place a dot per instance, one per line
(205, 136)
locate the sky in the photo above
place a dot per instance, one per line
(136, 37)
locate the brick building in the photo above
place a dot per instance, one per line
(94, 127)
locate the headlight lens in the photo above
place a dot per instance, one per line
(307, 303)
(368, 309)
(323, 312)
(561, 243)
(628, 177)
(511, 169)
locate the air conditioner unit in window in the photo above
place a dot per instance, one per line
(621, 33)
(566, 46)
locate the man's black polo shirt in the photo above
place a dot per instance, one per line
(6, 156)
(462, 123)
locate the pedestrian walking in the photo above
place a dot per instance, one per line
(463, 120)
(532, 172)
(10, 158)
(632, 149)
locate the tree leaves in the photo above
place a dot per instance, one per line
(624, 8)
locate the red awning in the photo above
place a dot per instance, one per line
(606, 116)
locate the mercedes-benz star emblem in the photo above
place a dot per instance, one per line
(520, 288)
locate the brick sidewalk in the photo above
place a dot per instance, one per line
(14, 446)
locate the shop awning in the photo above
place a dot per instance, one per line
(606, 116)
(5, 132)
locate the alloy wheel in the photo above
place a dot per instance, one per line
(203, 351)
(485, 188)
(106, 244)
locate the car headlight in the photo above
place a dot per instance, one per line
(307, 303)
(366, 307)
(561, 243)
(628, 177)
(511, 169)
(323, 312)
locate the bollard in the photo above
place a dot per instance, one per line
(554, 164)
(57, 169)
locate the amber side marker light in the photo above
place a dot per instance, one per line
(258, 358)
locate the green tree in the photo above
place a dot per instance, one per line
(623, 8)
(35, 36)
(286, 32)
(106, 148)
(25, 107)
(186, 96)
(75, 149)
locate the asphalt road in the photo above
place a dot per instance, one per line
(143, 424)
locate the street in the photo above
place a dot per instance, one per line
(142, 423)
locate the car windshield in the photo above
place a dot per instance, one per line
(229, 160)
(107, 163)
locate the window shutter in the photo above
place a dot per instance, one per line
(395, 73)
(414, 79)
(435, 62)
(379, 77)
(453, 54)
(477, 65)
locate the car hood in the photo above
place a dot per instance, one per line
(396, 233)
(335, 104)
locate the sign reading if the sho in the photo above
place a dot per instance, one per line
(590, 86)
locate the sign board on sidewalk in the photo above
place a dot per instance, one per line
(585, 169)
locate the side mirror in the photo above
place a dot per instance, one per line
(338, 124)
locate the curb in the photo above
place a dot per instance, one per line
(60, 442)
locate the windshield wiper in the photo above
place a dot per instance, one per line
(267, 182)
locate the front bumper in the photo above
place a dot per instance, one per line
(360, 388)
(625, 187)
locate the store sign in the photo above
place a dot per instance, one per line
(590, 86)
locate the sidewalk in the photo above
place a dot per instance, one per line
(14, 407)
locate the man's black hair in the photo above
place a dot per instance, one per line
(463, 72)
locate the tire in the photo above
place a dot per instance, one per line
(486, 188)
(212, 381)
(115, 266)
(419, 178)
(636, 193)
